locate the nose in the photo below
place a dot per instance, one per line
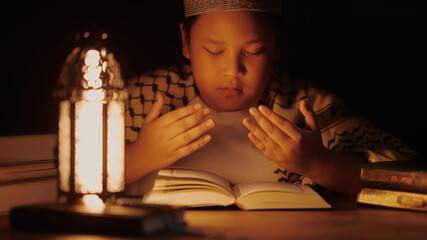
(234, 66)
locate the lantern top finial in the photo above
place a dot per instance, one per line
(89, 66)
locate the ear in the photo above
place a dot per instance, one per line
(185, 47)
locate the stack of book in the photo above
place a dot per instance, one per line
(27, 170)
(12, 172)
(397, 184)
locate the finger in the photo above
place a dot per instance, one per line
(260, 145)
(154, 111)
(274, 130)
(189, 136)
(260, 134)
(192, 147)
(285, 125)
(186, 123)
(310, 118)
(179, 113)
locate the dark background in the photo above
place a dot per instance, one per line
(369, 52)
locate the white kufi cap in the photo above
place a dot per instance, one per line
(196, 7)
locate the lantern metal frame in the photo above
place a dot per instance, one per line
(72, 88)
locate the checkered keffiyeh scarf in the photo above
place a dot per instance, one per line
(341, 130)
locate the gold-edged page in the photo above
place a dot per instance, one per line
(195, 174)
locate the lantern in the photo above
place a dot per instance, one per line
(91, 140)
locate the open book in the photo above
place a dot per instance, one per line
(197, 188)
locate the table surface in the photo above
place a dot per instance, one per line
(346, 220)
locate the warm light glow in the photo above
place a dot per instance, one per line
(104, 53)
(93, 203)
(88, 137)
(116, 141)
(92, 73)
(91, 125)
(92, 69)
(92, 58)
(64, 145)
(93, 95)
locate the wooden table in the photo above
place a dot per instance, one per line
(346, 220)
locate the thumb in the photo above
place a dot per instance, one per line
(310, 119)
(154, 111)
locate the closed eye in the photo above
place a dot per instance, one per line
(214, 53)
(254, 52)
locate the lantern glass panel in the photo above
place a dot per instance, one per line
(88, 142)
(91, 125)
(64, 146)
(116, 141)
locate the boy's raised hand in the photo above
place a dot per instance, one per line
(166, 139)
(296, 149)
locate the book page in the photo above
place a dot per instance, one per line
(275, 195)
(196, 175)
(187, 187)
(249, 188)
(190, 197)
(171, 184)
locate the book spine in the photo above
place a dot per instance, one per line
(408, 181)
(395, 199)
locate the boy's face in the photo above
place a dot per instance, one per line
(232, 55)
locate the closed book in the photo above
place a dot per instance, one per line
(25, 148)
(10, 172)
(393, 198)
(27, 170)
(398, 175)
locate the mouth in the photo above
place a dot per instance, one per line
(231, 91)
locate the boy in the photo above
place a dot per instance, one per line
(230, 115)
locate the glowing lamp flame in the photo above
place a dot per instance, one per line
(93, 203)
